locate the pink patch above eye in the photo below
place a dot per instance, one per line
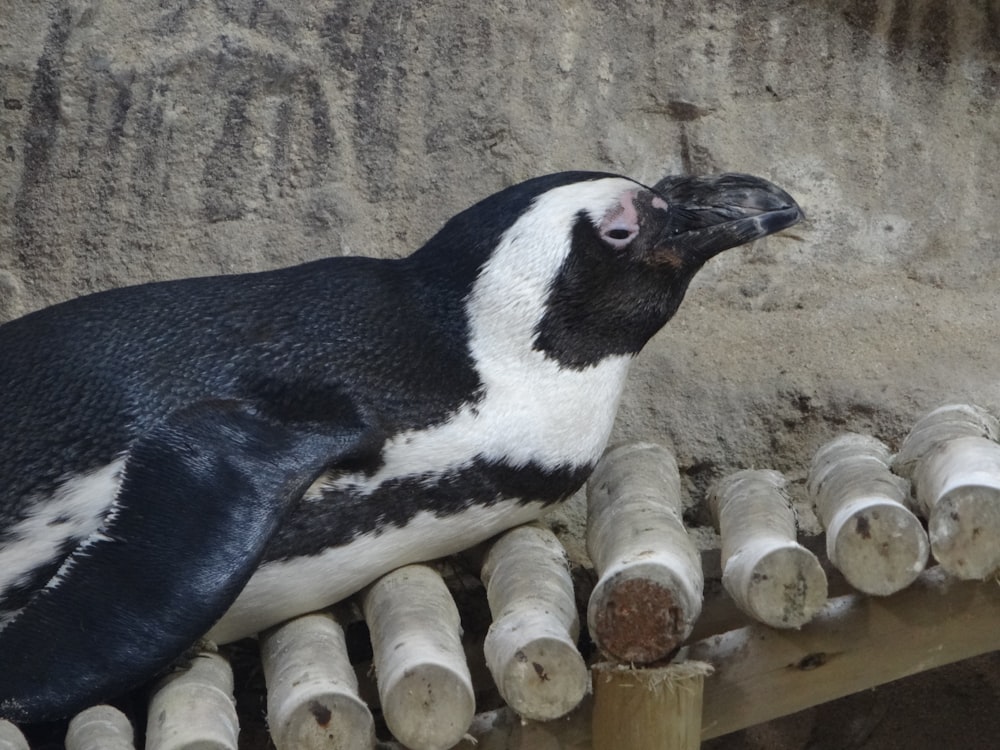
(620, 225)
(658, 202)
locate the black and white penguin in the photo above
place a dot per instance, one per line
(211, 456)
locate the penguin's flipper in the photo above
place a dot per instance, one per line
(201, 496)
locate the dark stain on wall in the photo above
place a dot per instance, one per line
(221, 178)
(381, 70)
(39, 140)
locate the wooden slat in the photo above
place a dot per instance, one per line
(855, 643)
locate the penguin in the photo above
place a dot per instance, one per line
(208, 457)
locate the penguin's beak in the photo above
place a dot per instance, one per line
(719, 212)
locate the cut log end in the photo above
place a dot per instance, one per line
(964, 527)
(326, 722)
(638, 620)
(430, 706)
(544, 679)
(880, 548)
(784, 588)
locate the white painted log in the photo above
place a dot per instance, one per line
(99, 728)
(649, 591)
(194, 709)
(872, 537)
(938, 426)
(769, 575)
(312, 690)
(423, 680)
(953, 460)
(958, 486)
(530, 648)
(11, 737)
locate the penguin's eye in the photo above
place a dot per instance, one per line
(619, 236)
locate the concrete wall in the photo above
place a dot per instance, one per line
(152, 140)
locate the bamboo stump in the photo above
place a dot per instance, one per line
(194, 709)
(953, 459)
(769, 575)
(423, 679)
(312, 690)
(530, 648)
(871, 536)
(652, 707)
(649, 591)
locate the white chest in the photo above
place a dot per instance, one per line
(542, 415)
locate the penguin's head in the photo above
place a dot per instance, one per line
(590, 265)
(580, 266)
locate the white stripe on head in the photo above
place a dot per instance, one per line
(508, 299)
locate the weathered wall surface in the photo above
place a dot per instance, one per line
(152, 140)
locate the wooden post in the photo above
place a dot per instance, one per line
(871, 536)
(312, 691)
(194, 709)
(423, 680)
(11, 737)
(530, 648)
(651, 707)
(649, 593)
(770, 575)
(99, 728)
(954, 463)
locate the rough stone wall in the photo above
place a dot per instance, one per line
(150, 140)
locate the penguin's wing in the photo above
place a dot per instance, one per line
(201, 496)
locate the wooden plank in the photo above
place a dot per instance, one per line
(855, 643)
